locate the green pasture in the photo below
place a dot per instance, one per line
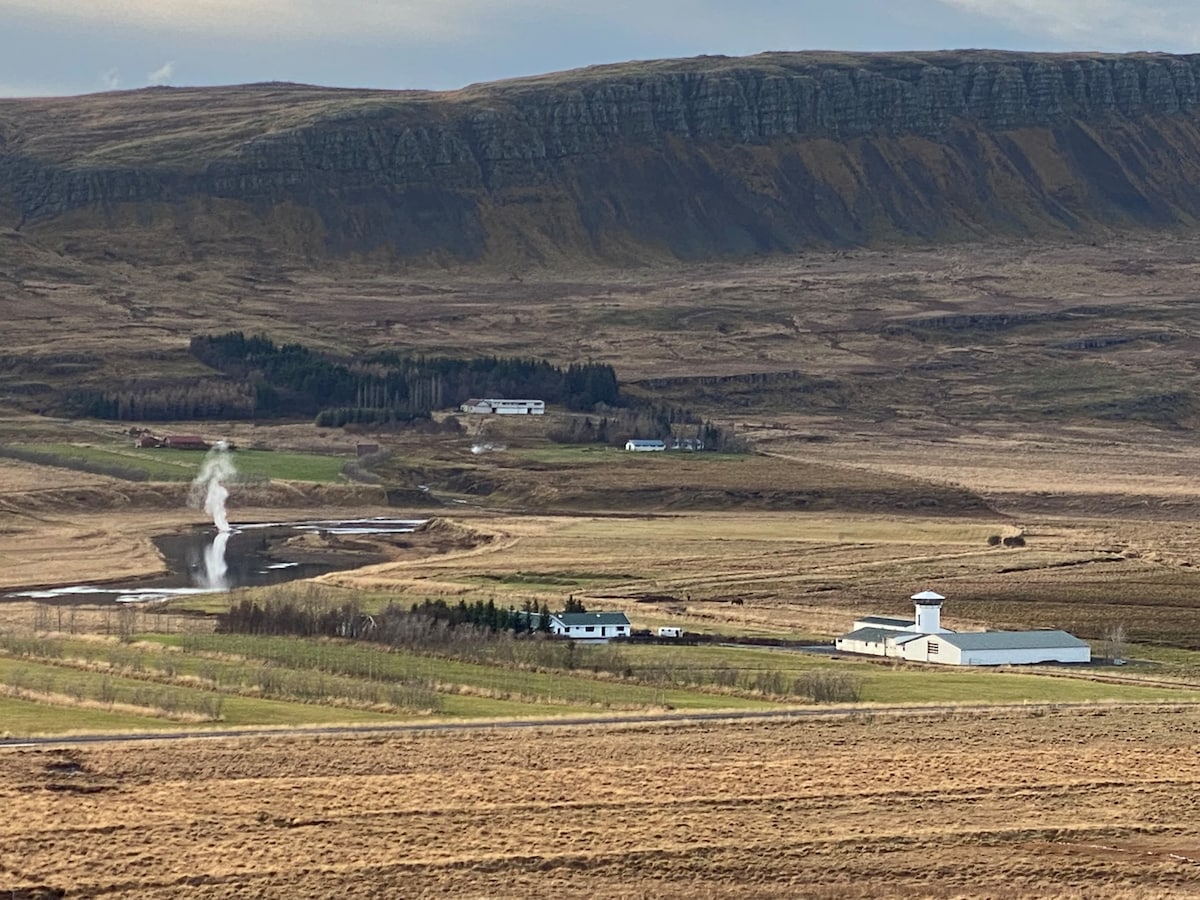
(365, 660)
(887, 684)
(235, 710)
(24, 717)
(904, 686)
(283, 681)
(290, 681)
(164, 464)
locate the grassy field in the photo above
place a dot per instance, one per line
(165, 464)
(1053, 804)
(245, 680)
(198, 678)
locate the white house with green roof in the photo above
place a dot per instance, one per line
(590, 627)
(923, 639)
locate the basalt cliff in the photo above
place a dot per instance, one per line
(687, 159)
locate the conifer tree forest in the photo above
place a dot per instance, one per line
(260, 379)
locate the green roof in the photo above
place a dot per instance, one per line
(575, 620)
(879, 635)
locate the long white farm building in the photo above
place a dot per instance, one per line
(505, 407)
(923, 639)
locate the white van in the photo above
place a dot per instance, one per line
(670, 631)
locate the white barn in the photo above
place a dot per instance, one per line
(505, 407)
(923, 639)
(642, 446)
(998, 648)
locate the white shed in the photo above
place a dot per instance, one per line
(640, 445)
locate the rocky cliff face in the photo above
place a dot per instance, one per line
(711, 156)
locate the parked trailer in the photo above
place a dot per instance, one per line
(670, 631)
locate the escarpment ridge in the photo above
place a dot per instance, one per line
(687, 159)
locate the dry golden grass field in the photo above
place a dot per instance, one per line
(1006, 804)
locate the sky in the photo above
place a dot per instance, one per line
(59, 47)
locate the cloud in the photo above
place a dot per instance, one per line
(416, 19)
(1102, 24)
(8, 90)
(111, 79)
(162, 74)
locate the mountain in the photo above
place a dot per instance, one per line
(685, 159)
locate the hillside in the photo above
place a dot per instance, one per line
(952, 237)
(685, 159)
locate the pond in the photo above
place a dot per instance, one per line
(250, 554)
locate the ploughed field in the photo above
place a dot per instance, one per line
(1010, 803)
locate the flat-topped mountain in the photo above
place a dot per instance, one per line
(689, 159)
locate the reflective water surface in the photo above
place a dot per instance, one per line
(206, 561)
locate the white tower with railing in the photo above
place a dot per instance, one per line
(929, 613)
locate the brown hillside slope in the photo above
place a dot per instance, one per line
(676, 158)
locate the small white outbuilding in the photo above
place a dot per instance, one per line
(923, 639)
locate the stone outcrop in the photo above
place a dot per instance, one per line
(690, 158)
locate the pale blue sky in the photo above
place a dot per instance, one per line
(50, 47)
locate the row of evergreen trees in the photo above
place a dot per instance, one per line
(646, 422)
(288, 617)
(487, 615)
(262, 380)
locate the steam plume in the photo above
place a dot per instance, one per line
(215, 566)
(208, 487)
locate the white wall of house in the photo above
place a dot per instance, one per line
(596, 633)
(847, 645)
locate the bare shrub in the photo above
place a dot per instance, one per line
(828, 686)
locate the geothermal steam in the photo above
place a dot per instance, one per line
(208, 489)
(215, 567)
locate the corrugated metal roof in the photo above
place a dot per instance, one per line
(574, 620)
(1010, 640)
(886, 620)
(872, 635)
